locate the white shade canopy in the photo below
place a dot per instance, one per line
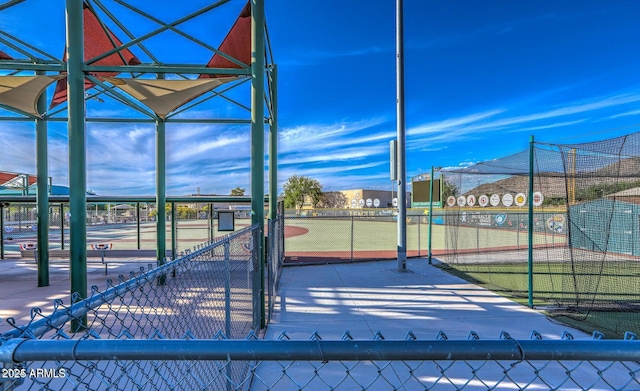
(22, 92)
(163, 96)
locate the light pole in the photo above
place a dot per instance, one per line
(402, 205)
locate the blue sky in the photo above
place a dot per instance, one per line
(481, 78)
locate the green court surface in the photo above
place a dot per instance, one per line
(325, 234)
(588, 294)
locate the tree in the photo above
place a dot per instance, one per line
(449, 189)
(238, 191)
(298, 188)
(333, 199)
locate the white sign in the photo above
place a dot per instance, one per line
(361, 202)
(354, 203)
(376, 202)
(483, 200)
(507, 200)
(538, 198)
(369, 202)
(494, 200)
(471, 200)
(451, 201)
(461, 201)
(394, 202)
(521, 199)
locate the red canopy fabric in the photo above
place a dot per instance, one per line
(5, 56)
(97, 40)
(236, 44)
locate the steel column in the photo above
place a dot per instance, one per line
(273, 147)
(43, 191)
(77, 149)
(161, 198)
(402, 190)
(257, 150)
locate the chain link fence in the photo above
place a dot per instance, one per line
(321, 236)
(123, 225)
(333, 235)
(206, 293)
(274, 259)
(347, 364)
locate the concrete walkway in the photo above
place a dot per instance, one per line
(361, 299)
(364, 298)
(19, 291)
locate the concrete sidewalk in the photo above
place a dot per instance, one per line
(19, 291)
(364, 298)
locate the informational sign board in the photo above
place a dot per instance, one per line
(226, 221)
(421, 192)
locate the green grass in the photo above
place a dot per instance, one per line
(553, 282)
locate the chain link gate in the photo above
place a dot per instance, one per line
(206, 293)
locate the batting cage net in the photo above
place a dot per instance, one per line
(576, 251)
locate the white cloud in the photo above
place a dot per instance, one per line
(625, 114)
(470, 126)
(345, 155)
(315, 136)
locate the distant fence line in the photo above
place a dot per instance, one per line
(128, 224)
(131, 226)
(370, 234)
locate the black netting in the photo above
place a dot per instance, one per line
(584, 233)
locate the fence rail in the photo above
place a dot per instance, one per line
(317, 364)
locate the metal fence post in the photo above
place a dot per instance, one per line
(419, 247)
(255, 275)
(478, 238)
(210, 223)
(270, 267)
(61, 226)
(138, 222)
(518, 232)
(352, 237)
(1, 231)
(174, 230)
(227, 289)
